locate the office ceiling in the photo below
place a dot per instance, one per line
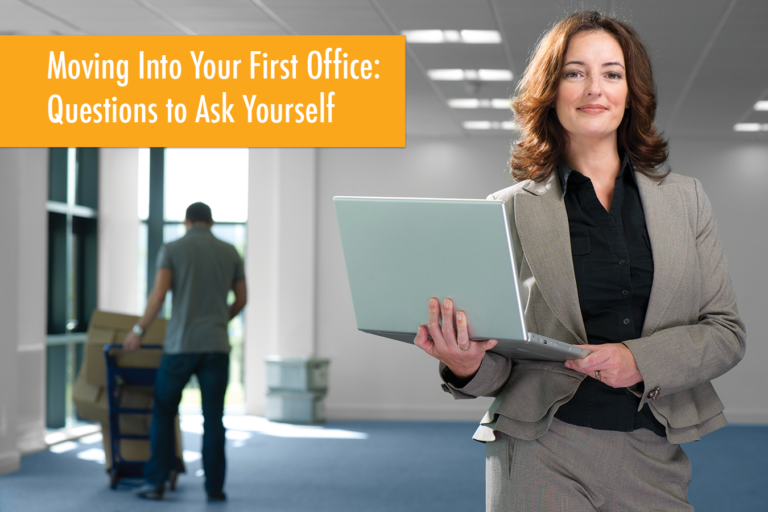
(710, 56)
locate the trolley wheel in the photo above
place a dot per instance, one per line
(113, 478)
(173, 477)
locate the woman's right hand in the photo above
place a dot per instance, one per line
(452, 348)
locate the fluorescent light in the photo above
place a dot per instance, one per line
(477, 125)
(464, 103)
(474, 75)
(498, 103)
(750, 127)
(495, 75)
(446, 74)
(501, 103)
(480, 36)
(761, 105)
(452, 36)
(489, 125)
(471, 74)
(423, 36)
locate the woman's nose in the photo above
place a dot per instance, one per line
(593, 87)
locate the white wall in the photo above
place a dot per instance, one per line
(373, 377)
(735, 177)
(118, 230)
(23, 268)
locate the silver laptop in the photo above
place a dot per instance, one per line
(401, 252)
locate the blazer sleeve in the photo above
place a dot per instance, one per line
(490, 378)
(681, 357)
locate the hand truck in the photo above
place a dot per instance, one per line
(127, 420)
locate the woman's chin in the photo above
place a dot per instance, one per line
(593, 134)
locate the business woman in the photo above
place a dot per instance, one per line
(613, 254)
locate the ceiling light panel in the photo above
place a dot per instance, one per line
(489, 125)
(474, 75)
(494, 75)
(480, 37)
(447, 75)
(750, 127)
(495, 103)
(452, 36)
(761, 105)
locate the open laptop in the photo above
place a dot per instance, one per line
(401, 252)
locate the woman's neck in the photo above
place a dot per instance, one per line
(597, 160)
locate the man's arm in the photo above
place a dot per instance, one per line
(163, 280)
(241, 297)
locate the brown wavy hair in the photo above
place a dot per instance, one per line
(543, 141)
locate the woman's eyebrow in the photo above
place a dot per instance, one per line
(581, 63)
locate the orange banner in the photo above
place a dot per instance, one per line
(202, 91)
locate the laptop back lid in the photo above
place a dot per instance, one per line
(401, 252)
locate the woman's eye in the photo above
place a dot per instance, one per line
(571, 74)
(614, 76)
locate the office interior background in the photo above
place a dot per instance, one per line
(79, 226)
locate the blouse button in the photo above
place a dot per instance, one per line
(626, 321)
(625, 292)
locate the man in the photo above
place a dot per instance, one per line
(200, 270)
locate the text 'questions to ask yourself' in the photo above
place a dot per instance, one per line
(204, 91)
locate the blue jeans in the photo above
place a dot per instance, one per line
(212, 370)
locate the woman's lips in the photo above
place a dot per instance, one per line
(592, 109)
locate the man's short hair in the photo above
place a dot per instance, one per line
(199, 212)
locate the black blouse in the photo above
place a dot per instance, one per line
(613, 264)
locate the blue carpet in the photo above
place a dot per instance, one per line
(730, 470)
(356, 466)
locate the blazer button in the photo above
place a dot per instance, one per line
(445, 387)
(654, 394)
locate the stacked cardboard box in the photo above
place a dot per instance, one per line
(90, 393)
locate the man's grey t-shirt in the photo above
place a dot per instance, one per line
(204, 270)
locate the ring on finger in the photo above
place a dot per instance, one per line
(462, 348)
(597, 375)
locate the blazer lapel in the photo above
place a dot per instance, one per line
(666, 221)
(542, 224)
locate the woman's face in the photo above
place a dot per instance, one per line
(592, 94)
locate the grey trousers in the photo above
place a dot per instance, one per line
(579, 469)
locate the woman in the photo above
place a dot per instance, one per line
(614, 255)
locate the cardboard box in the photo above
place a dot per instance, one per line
(90, 393)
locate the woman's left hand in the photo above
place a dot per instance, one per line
(611, 363)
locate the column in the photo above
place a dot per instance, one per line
(23, 269)
(280, 264)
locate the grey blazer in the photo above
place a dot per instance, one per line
(692, 332)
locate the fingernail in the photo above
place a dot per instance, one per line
(460, 316)
(447, 303)
(433, 303)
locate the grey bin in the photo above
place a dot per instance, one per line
(296, 387)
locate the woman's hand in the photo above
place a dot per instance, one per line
(611, 363)
(451, 346)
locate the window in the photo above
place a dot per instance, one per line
(72, 265)
(169, 181)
